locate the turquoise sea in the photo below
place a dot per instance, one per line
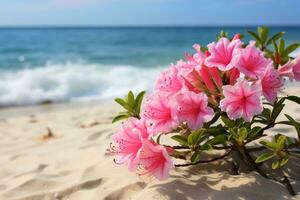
(89, 63)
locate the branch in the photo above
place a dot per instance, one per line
(185, 147)
(204, 161)
(214, 119)
(253, 149)
(176, 147)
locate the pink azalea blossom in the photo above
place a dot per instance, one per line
(211, 78)
(197, 76)
(251, 61)
(241, 100)
(193, 109)
(170, 81)
(271, 83)
(233, 74)
(222, 52)
(287, 70)
(193, 62)
(128, 142)
(203, 78)
(155, 161)
(296, 68)
(158, 113)
(237, 36)
(198, 57)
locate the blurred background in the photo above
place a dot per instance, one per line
(83, 50)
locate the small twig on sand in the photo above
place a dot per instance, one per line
(48, 135)
(89, 125)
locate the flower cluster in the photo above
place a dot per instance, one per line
(229, 79)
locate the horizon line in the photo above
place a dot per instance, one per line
(144, 25)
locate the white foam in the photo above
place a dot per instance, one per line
(73, 81)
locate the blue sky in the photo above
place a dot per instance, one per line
(149, 12)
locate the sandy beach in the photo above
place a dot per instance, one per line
(58, 152)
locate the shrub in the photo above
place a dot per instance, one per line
(223, 98)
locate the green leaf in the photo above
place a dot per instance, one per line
(124, 104)
(295, 124)
(270, 145)
(290, 49)
(182, 140)
(130, 99)
(215, 131)
(243, 133)
(265, 156)
(281, 141)
(203, 49)
(233, 133)
(276, 111)
(283, 161)
(255, 36)
(138, 101)
(275, 37)
(222, 34)
(195, 157)
(281, 46)
(294, 99)
(229, 123)
(263, 33)
(206, 147)
(195, 138)
(275, 164)
(254, 134)
(282, 99)
(275, 46)
(266, 113)
(219, 139)
(120, 101)
(120, 117)
(254, 131)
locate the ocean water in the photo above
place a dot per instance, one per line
(94, 63)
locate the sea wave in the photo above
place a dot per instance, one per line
(73, 82)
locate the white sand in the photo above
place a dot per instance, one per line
(74, 165)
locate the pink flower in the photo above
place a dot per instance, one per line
(296, 68)
(204, 79)
(233, 74)
(271, 84)
(155, 161)
(198, 57)
(251, 61)
(129, 141)
(241, 100)
(222, 52)
(170, 81)
(287, 70)
(158, 114)
(193, 62)
(193, 109)
(291, 69)
(237, 36)
(211, 78)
